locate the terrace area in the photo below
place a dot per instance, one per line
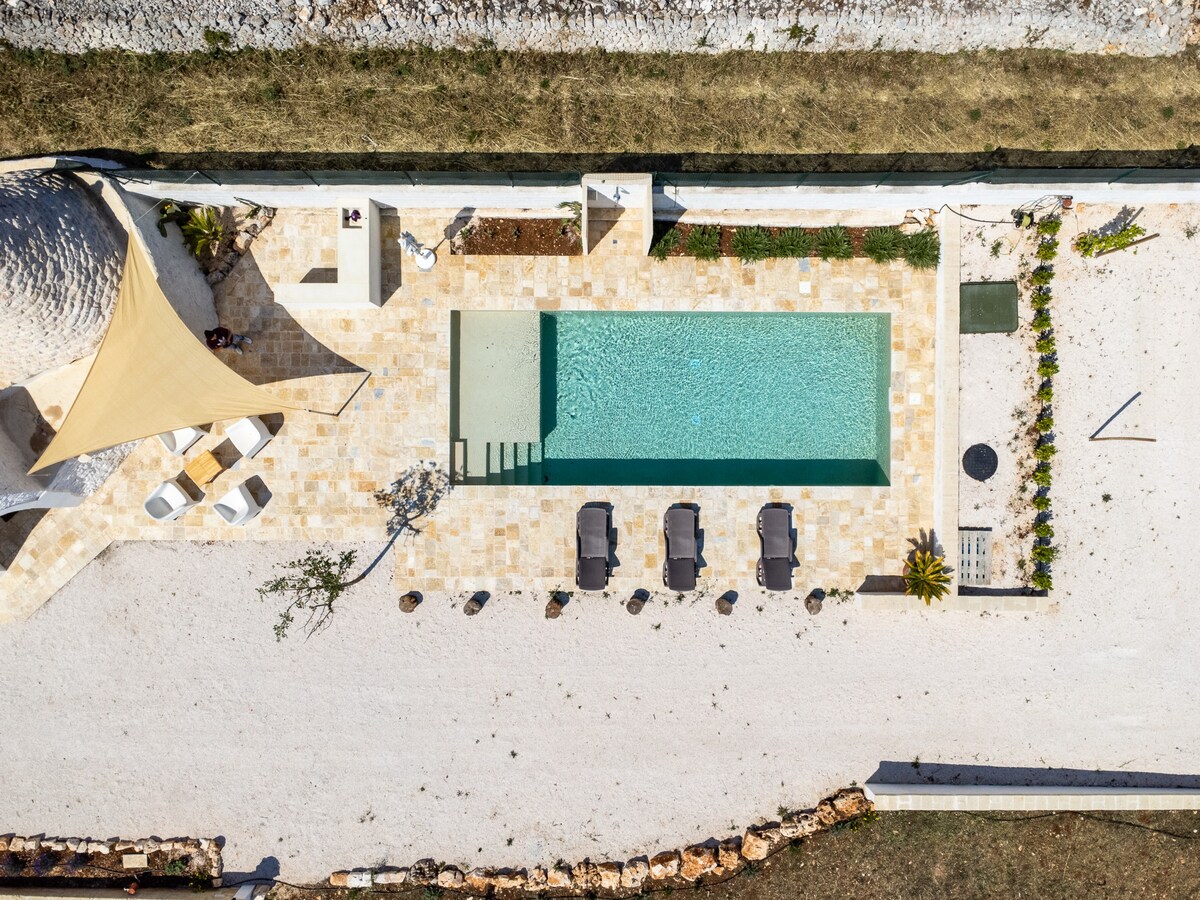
(394, 362)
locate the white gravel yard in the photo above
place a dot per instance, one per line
(150, 697)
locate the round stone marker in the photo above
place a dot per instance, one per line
(409, 602)
(980, 462)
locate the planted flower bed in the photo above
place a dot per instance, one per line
(752, 243)
(518, 237)
(1044, 552)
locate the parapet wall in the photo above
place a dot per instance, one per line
(1150, 28)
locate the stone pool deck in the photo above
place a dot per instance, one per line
(318, 474)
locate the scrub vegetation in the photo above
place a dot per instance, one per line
(332, 100)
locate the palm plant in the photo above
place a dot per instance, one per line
(882, 245)
(833, 242)
(203, 231)
(921, 250)
(662, 248)
(752, 244)
(925, 576)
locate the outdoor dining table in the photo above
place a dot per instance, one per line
(204, 468)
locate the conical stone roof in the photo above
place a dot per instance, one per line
(60, 269)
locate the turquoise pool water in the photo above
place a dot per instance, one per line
(715, 398)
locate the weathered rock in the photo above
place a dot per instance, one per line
(359, 878)
(851, 802)
(409, 603)
(665, 864)
(339, 879)
(4, 843)
(101, 847)
(479, 880)
(585, 876)
(391, 876)
(555, 607)
(759, 843)
(450, 877)
(800, 825)
(729, 854)
(536, 880)
(510, 880)
(813, 604)
(472, 607)
(609, 875)
(634, 873)
(16, 844)
(697, 861)
(635, 605)
(34, 842)
(560, 877)
(423, 871)
(724, 605)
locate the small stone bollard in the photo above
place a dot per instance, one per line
(814, 601)
(555, 607)
(475, 604)
(409, 602)
(637, 601)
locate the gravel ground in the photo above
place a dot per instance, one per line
(150, 697)
(1099, 26)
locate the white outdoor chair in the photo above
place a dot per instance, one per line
(249, 435)
(169, 501)
(238, 506)
(178, 442)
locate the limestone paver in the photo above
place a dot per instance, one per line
(390, 368)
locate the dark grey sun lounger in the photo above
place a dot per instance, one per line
(592, 529)
(778, 548)
(681, 528)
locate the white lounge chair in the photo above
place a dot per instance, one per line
(249, 435)
(178, 441)
(238, 506)
(169, 501)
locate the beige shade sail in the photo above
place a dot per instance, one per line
(151, 375)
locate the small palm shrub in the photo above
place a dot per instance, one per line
(1042, 580)
(1046, 368)
(1041, 276)
(1041, 475)
(925, 576)
(793, 243)
(1045, 344)
(1044, 553)
(670, 240)
(1040, 299)
(704, 242)
(752, 244)
(1047, 250)
(1044, 424)
(203, 231)
(1043, 452)
(1049, 226)
(921, 250)
(882, 245)
(833, 242)
(1045, 393)
(1044, 530)
(1041, 502)
(1041, 321)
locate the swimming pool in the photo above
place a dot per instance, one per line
(715, 398)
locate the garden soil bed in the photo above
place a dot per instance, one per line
(65, 868)
(518, 237)
(727, 232)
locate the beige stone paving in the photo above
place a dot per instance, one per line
(320, 470)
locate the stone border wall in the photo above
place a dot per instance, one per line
(712, 860)
(209, 848)
(1148, 28)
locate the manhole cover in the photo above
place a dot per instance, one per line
(980, 462)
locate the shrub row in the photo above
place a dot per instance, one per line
(1089, 243)
(754, 243)
(1044, 551)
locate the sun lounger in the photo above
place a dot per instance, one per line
(777, 548)
(681, 527)
(592, 530)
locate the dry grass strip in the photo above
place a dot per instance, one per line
(333, 100)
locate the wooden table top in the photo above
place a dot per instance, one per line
(204, 468)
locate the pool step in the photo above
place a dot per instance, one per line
(499, 462)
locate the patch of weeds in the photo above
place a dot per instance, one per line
(1168, 112)
(1106, 498)
(217, 40)
(800, 35)
(997, 246)
(975, 114)
(175, 867)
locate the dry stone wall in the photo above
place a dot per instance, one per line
(203, 854)
(1139, 27)
(712, 860)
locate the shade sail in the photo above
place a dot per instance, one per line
(151, 375)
